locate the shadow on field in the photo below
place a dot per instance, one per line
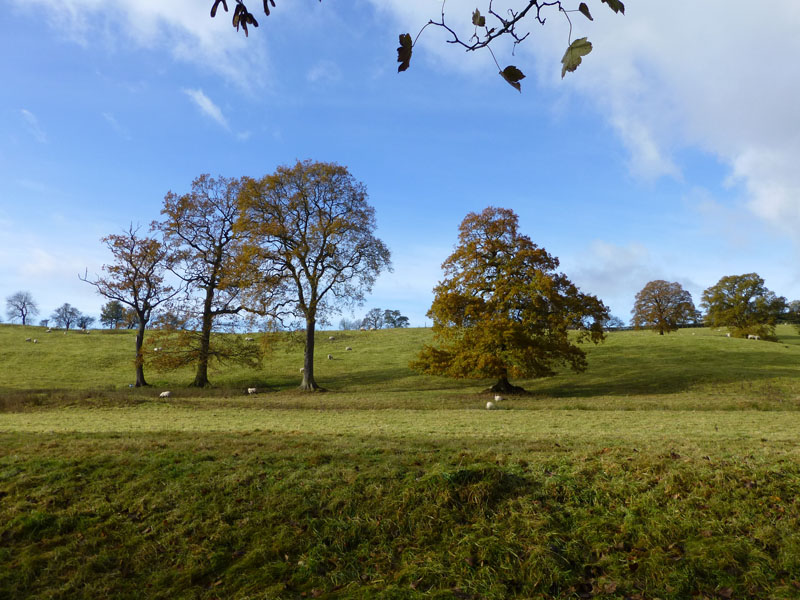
(619, 371)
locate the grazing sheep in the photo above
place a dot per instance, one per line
(49, 331)
(27, 339)
(331, 338)
(727, 335)
(330, 356)
(750, 336)
(372, 328)
(348, 348)
(35, 341)
(498, 398)
(362, 328)
(302, 369)
(249, 339)
(158, 349)
(251, 390)
(491, 406)
(164, 394)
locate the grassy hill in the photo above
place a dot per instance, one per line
(670, 469)
(698, 368)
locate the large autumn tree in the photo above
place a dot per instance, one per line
(744, 305)
(136, 278)
(663, 306)
(503, 310)
(199, 229)
(313, 234)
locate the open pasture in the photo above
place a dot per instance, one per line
(670, 469)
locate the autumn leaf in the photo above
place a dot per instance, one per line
(477, 19)
(216, 3)
(572, 57)
(615, 5)
(404, 52)
(513, 75)
(266, 6)
(585, 11)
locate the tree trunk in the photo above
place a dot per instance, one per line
(140, 382)
(503, 385)
(201, 377)
(309, 384)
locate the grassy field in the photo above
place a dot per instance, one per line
(670, 469)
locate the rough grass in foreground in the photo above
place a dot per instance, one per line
(670, 469)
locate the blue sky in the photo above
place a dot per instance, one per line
(671, 153)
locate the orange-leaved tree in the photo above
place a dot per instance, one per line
(136, 278)
(311, 231)
(663, 306)
(198, 227)
(502, 310)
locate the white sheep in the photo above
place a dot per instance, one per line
(165, 394)
(348, 348)
(331, 338)
(157, 349)
(302, 369)
(491, 406)
(249, 339)
(35, 341)
(27, 339)
(49, 331)
(727, 335)
(362, 328)
(750, 336)
(498, 398)
(330, 356)
(251, 390)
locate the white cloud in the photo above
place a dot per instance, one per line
(325, 71)
(711, 80)
(207, 106)
(33, 125)
(668, 77)
(182, 26)
(119, 129)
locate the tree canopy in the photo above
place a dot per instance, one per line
(198, 228)
(21, 305)
(311, 231)
(663, 306)
(135, 278)
(743, 304)
(502, 310)
(509, 21)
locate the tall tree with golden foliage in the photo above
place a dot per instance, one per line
(663, 306)
(311, 232)
(502, 310)
(198, 227)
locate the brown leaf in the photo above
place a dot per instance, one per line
(404, 52)
(513, 75)
(585, 11)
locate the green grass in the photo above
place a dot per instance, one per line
(670, 469)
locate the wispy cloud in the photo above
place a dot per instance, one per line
(207, 107)
(325, 71)
(34, 127)
(181, 26)
(119, 129)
